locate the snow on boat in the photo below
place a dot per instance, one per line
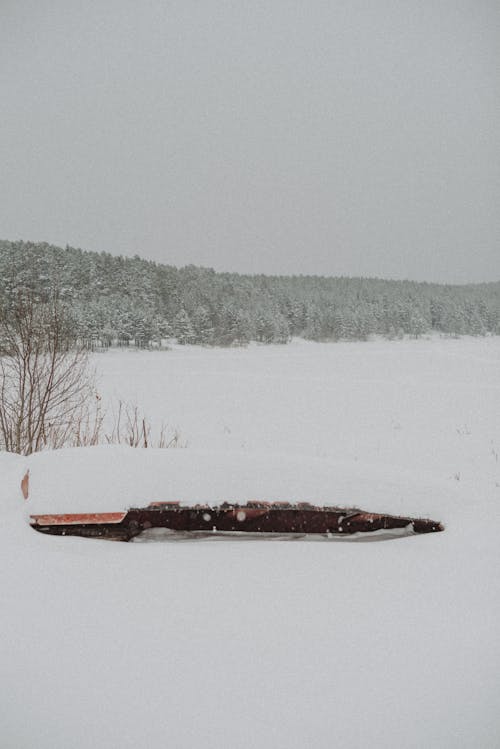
(250, 520)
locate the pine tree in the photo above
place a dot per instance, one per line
(183, 328)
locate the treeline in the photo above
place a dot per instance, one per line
(115, 300)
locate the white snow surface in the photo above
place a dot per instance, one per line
(227, 644)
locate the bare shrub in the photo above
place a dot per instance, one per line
(131, 427)
(48, 397)
(45, 381)
(88, 425)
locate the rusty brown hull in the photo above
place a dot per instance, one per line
(255, 519)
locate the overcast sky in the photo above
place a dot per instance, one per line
(335, 138)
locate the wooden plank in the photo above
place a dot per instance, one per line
(95, 518)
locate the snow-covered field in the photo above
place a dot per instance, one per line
(216, 644)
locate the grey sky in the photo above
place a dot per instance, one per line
(338, 138)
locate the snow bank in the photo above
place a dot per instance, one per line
(113, 478)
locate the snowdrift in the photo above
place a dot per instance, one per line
(112, 479)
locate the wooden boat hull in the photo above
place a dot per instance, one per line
(254, 519)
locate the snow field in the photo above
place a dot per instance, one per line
(267, 644)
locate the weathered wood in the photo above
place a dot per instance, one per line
(251, 518)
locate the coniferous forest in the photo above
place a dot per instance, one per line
(115, 300)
